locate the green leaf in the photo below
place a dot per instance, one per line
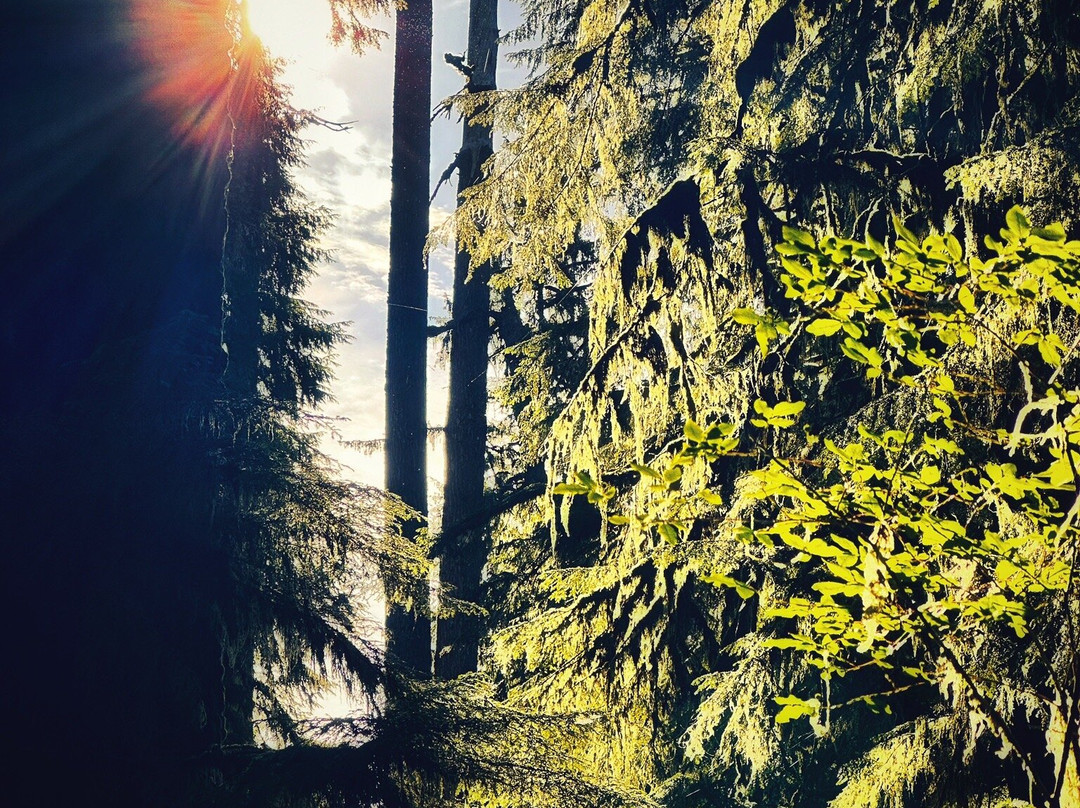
(797, 607)
(793, 708)
(744, 533)
(788, 407)
(953, 247)
(823, 327)
(1054, 232)
(668, 532)
(794, 235)
(646, 471)
(711, 497)
(1017, 221)
(838, 588)
(718, 432)
(570, 489)
(765, 332)
(745, 316)
(726, 582)
(966, 298)
(1049, 352)
(904, 233)
(786, 249)
(694, 432)
(781, 415)
(930, 474)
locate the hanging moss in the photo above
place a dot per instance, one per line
(678, 138)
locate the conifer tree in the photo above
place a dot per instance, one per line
(408, 622)
(408, 627)
(681, 137)
(462, 557)
(186, 547)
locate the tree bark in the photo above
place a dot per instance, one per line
(408, 630)
(461, 564)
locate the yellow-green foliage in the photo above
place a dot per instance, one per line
(679, 138)
(922, 539)
(902, 765)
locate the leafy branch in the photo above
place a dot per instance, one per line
(916, 539)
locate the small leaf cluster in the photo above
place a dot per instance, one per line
(918, 537)
(596, 491)
(911, 539)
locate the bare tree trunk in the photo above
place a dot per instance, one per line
(409, 629)
(466, 423)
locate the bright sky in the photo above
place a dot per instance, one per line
(348, 173)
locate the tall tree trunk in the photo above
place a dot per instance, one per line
(466, 424)
(408, 630)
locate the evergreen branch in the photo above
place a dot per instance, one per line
(495, 506)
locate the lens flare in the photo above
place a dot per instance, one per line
(200, 64)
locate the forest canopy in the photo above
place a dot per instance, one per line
(774, 490)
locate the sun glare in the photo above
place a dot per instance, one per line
(185, 51)
(290, 29)
(204, 81)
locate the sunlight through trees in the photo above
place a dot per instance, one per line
(763, 452)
